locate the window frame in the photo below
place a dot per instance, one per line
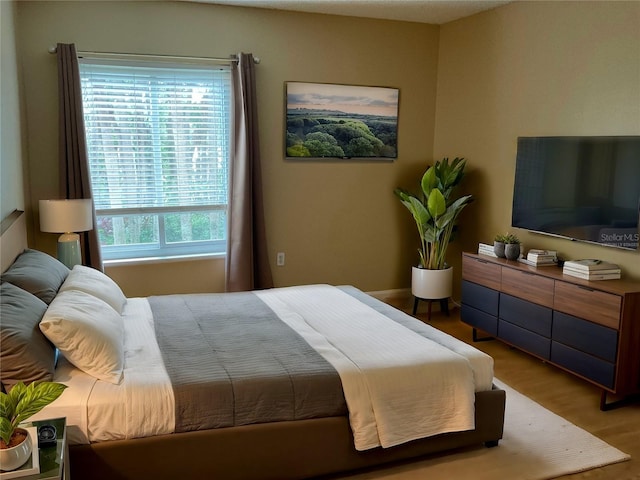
(162, 248)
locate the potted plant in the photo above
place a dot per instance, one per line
(15, 407)
(499, 243)
(435, 212)
(511, 246)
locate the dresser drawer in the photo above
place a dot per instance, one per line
(520, 337)
(481, 272)
(480, 297)
(532, 287)
(583, 364)
(584, 302)
(531, 316)
(585, 336)
(479, 319)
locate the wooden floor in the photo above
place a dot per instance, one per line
(576, 400)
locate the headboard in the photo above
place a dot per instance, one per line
(13, 238)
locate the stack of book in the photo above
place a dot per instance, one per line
(590, 269)
(486, 249)
(542, 257)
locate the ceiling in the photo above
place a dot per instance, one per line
(423, 11)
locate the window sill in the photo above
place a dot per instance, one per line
(151, 260)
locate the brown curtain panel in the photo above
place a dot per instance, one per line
(73, 162)
(247, 265)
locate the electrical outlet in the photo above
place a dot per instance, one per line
(280, 259)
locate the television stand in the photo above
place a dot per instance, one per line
(588, 328)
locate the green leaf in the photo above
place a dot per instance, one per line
(445, 219)
(462, 202)
(6, 409)
(436, 203)
(6, 430)
(430, 235)
(429, 181)
(38, 396)
(419, 211)
(16, 393)
(452, 174)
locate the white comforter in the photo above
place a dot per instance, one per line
(399, 386)
(394, 390)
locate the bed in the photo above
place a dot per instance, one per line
(315, 380)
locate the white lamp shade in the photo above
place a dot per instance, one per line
(66, 216)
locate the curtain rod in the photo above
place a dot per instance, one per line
(231, 59)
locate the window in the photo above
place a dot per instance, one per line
(158, 147)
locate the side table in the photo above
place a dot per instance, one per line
(54, 460)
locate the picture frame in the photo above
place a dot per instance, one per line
(338, 122)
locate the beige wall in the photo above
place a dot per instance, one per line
(336, 222)
(533, 69)
(11, 177)
(528, 68)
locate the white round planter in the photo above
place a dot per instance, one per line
(15, 457)
(432, 284)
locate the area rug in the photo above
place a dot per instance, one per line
(537, 445)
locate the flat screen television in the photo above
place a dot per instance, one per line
(580, 188)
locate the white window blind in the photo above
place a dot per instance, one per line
(158, 147)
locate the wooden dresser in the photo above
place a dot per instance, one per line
(588, 328)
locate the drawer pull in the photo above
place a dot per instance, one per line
(586, 288)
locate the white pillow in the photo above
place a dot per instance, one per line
(96, 283)
(88, 332)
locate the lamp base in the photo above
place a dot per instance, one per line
(69, 251)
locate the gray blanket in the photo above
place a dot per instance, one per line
(232, 362)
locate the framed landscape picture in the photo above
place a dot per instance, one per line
(347, 122)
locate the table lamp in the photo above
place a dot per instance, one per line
(67, 217)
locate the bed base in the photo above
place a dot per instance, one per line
(283, 450)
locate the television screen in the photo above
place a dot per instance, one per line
(581, 188)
